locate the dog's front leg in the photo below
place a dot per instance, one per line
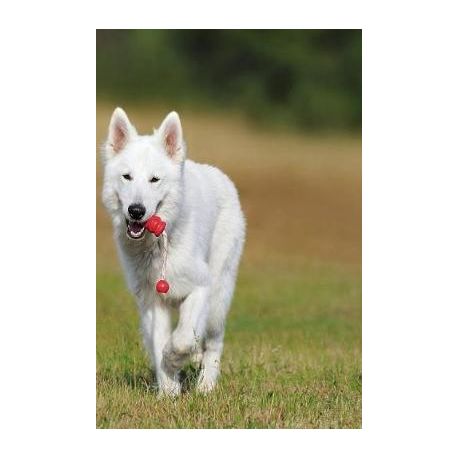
(168, 383)
(186, 338)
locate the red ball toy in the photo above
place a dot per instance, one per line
(155, 225)
(162, 286)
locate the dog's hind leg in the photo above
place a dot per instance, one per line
(220, 301)
(211, 362)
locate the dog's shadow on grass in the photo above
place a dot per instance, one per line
(146, 381)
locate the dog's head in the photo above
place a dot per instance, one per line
(141, 171)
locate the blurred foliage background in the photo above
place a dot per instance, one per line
(307, 79)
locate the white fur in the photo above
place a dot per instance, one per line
(206, 231)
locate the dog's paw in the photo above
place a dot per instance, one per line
(205, 385)
(168, 386)
(169, 390)
(175, 356)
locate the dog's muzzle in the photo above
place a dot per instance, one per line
(135, 229)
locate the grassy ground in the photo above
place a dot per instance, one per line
(293, 344)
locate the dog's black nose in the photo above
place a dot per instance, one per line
(136, 211)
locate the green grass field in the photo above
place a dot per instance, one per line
(292, 355)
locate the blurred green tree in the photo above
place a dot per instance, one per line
(306, 78)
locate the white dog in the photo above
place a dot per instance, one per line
(147, 175)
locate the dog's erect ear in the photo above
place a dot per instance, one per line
(120, 131)
(172, 137)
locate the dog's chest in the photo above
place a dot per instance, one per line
(144, 269)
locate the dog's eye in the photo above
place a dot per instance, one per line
(154, 180)
(127, 177)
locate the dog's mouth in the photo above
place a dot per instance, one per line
(135, 230)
